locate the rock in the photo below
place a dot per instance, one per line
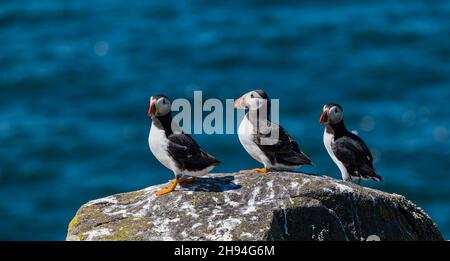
(256, 206)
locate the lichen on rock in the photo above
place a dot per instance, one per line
(254, 206)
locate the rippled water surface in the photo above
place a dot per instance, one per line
(76, 76)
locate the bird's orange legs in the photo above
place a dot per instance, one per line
(168, 189)
(173, 185)
(259, 170)
(188, 180)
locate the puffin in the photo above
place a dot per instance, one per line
(346, 149)
(255, 134)
(173, 148)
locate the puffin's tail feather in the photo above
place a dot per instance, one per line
(370, 173)
(215, 162)
(305, 160)
(293, 158)
(377, 178)
(211, 160)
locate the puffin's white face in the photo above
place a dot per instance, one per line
(159, 106)
(335, 115)
(251, 100)
(331, 114)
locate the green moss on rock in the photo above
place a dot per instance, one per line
(254, 206)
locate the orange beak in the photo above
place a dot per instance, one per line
(323, 116)
(238, 103)
(150, 112)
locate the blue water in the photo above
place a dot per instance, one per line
(76, 76)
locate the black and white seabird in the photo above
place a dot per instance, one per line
(255, 130)
(347, 150)
(176, 150)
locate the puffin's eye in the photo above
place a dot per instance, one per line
(251, 95)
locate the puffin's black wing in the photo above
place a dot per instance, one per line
(285, 150)
(188, 154)
(356, 156)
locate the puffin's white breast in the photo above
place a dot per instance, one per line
(328, 140)
(245, 134)
(158, 144)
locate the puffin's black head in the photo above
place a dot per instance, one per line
(332, 114)
(159, 106)
(253, 100)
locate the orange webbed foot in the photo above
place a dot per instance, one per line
(167, 189)
(257, 170)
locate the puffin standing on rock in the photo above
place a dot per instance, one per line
(174, 149)
(347, 150)
(255, 134)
